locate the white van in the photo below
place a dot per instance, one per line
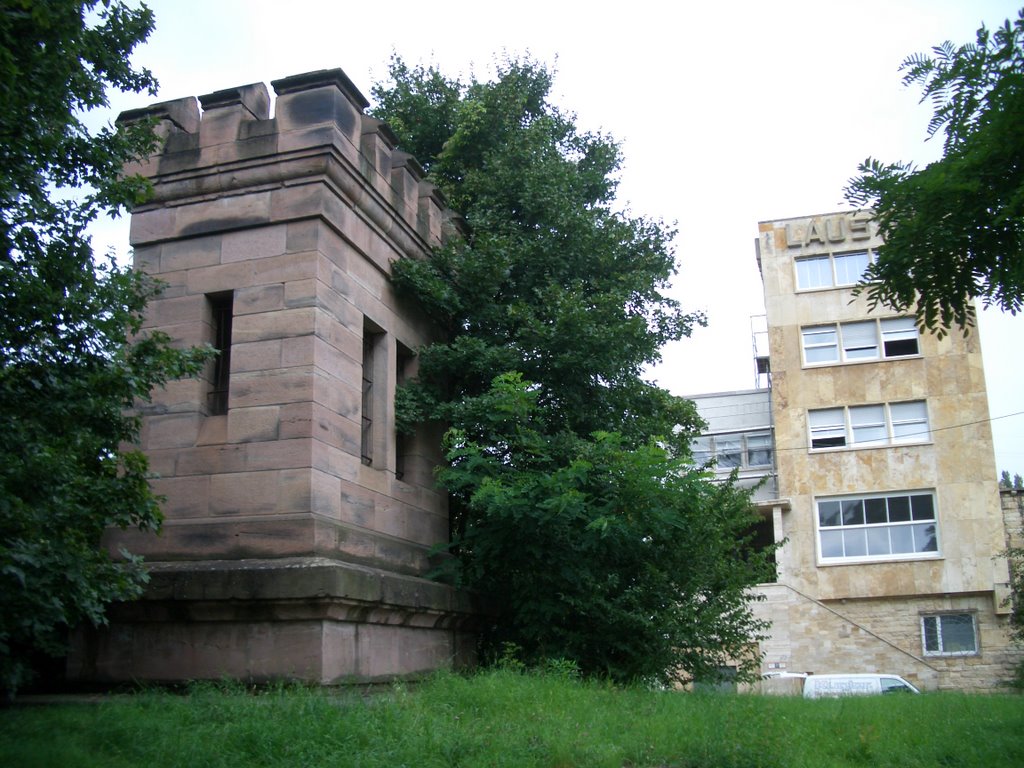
(821, 686)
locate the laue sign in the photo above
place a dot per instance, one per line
(828, 230)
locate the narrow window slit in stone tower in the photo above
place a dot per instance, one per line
(403, 440)
(221, 310)
(372, 343)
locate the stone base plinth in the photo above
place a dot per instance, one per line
(310, 619)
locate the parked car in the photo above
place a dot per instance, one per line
(821, 686)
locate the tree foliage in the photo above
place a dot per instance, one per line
(572, 503)
(1017, 483)
(68, 372)
(954, 230)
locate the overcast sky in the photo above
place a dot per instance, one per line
(729, 113)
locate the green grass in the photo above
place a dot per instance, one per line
(508, 719)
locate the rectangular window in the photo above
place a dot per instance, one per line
(733, 451)
(729, 452)
(372, 388)
(703, 449)
(869, 425)
(949, 634)
(880, 527)
(814, 272)
(828, 428)
(862, 340)
(831, 270)
(221, 312)
(366, 434)
(899, 337)
(909, 422)
(759, 450)
(821, 344)
(404, 361)
(850, 267)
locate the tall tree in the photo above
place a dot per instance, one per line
(954, 230)
(572, 500)
(72, 362)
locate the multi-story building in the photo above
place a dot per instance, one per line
(887, 497)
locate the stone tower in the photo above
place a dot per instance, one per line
(298, 523)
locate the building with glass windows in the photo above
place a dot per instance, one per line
(882, 472)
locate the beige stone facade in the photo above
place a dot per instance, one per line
(299, 525)
(888, 498)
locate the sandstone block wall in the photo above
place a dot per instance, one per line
(292, 222)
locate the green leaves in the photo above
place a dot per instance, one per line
(72, 358)
(622, 558)
(954, 230)
(571, 507)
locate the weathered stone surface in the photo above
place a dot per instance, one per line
(244, 621)
(254, 243)
(283, 553)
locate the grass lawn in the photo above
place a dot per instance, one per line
(508, 719)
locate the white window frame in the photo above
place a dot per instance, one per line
(848, 528)
(829, 270)
(821, 341)
(934, 638)
(847, 346)
(868, 426)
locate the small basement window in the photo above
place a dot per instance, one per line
(949, 634)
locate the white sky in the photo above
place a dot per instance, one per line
(729, 113)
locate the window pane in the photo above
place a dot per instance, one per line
(923, 507)
(874, 511)
(821, 355)
(924, 538)
(958, 633)
(909, 421)
(850, 267)
(729, 452)
(902, 539)
(815, 272)
(853, 512)
(828, 427)
(931, 633)
(868, 423)
(820, 344)
(900, 348)
(701, 447)
(860, 340)
(855, 542)
(829, 513)
(759, 450)
(915, 409)
(878, 541)
(831, 543)
(899, 509)
(878, 526)
(899, 337)
(892, 685)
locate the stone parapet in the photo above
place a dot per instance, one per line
(318, 135)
